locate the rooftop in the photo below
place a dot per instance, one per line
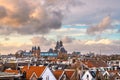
(30, 69)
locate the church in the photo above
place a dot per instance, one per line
(36, 51)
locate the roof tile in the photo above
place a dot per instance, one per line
(11, 71)
(30, 70)
(58, 73)
(69, 73)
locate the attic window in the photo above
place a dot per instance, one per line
(87, 76)
(47, 77)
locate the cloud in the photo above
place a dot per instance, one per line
(102, 41)
(17, 12)
(32, 17)
(93, 11)
(119, 31)
(7, 39)
(99, 28)
(13, 48)
(38, 41)
(107, 47)
(116, 42)
(67, 39)
(74, 32)
(3, 12)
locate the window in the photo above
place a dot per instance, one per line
(106, 76)
(47, 77)
(87, 77)
(117, 62)
(64, 77)
(117, 78)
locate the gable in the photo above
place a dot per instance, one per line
(47, 74)
(58, 74)
(70, 73)
(87, 75)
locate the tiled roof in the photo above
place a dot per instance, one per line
(30, 70)
(11, 71)
(58, 73)
(116, 76)
(95, 63)
(53, 60)
(113, 71)
(88, 63)
(69, 73)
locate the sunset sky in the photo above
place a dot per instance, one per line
(82, 25)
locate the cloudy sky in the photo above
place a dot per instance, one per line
(82, 25)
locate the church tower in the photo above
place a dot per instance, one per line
(61, 44)
(33, 51)
(38, 50)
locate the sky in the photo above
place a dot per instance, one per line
(83, 25)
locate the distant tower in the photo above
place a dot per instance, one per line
(57, 47)
(61, 43)
(33, 51)
(38, 50)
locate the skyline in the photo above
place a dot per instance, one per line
(82, 25)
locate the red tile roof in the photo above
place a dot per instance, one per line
(58, 73)
(113, 71)
(70, 73)
(11, 71)
(94, 63)
(88, 63)
(30, 70)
